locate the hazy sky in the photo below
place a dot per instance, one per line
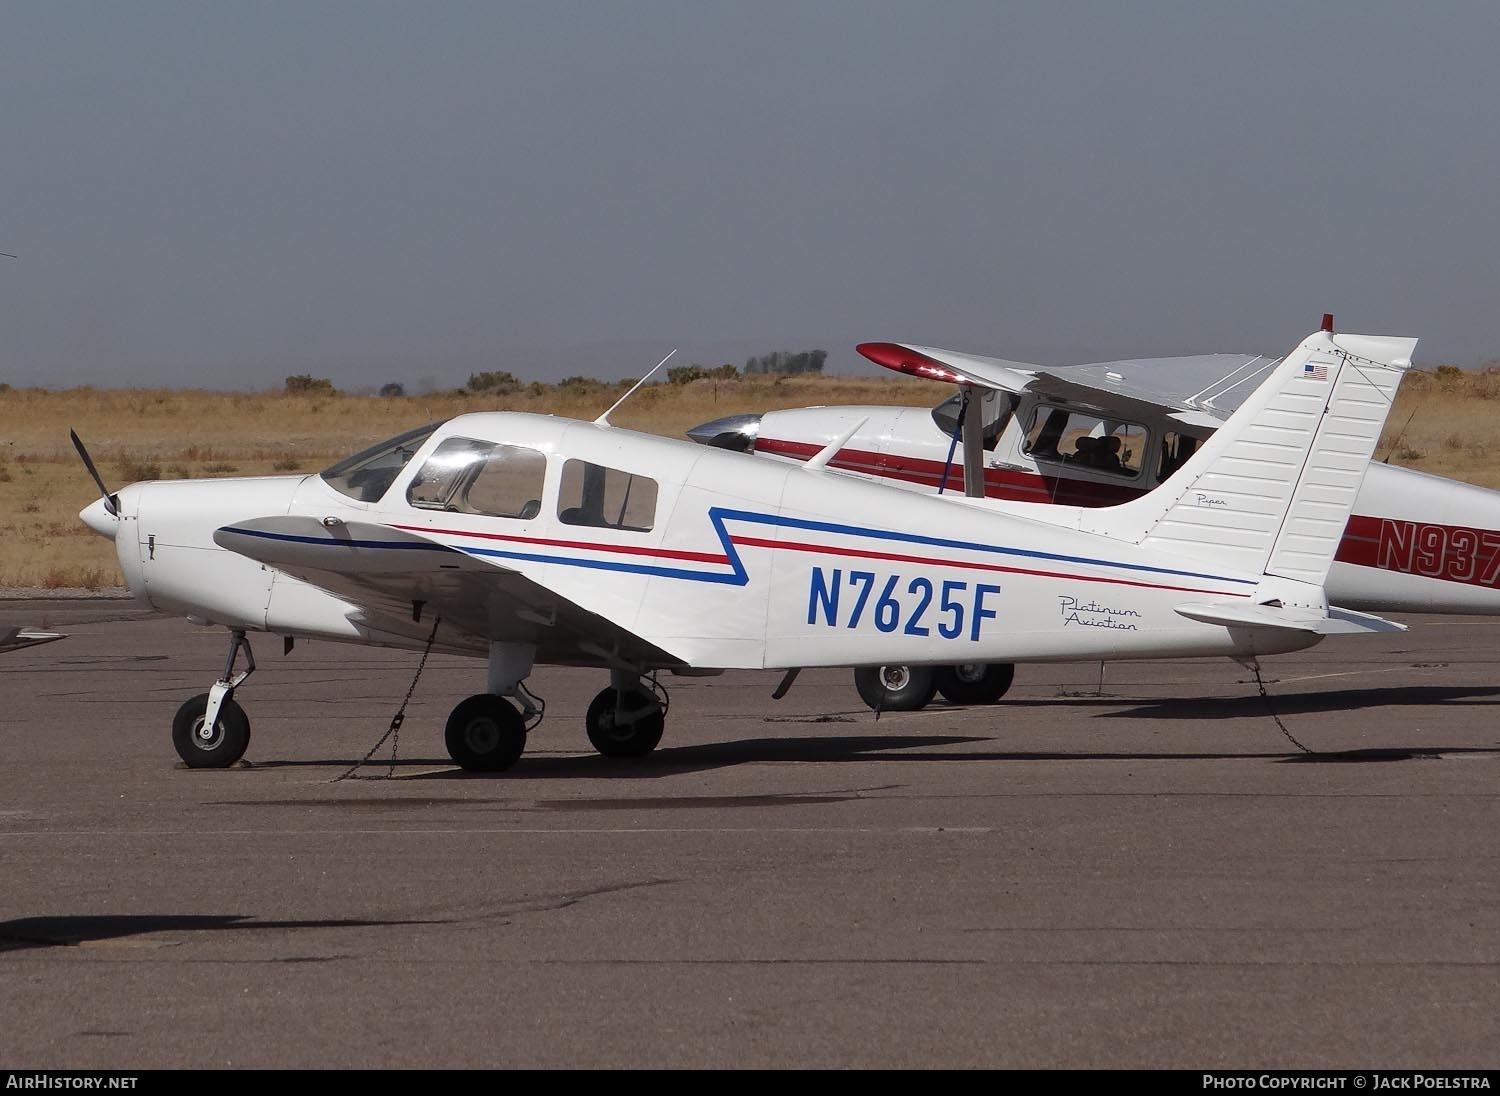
(224, 193)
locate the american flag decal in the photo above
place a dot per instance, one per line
(1314, 372)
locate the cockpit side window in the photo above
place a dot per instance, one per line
(607, 498)
(479, 477)
(996, 409)
(367, 475)
(1086, 441)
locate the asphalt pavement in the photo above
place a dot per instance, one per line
(1131, 865)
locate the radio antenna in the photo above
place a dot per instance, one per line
(603, 420)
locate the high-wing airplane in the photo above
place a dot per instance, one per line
(16, 638)
(522, 538)
(1095, 435)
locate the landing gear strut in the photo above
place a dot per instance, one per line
(211, 731)
(627, 719)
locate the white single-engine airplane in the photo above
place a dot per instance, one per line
(1096, 435)
(17, 638)
(523, 538)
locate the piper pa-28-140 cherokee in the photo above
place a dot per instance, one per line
(1027, 437)
(522, 538)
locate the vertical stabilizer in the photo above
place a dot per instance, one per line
(1271, 491)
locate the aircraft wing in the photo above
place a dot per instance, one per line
(1203, 388)
(17, 638)
(398, 581)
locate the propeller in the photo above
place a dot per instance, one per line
(111, 501)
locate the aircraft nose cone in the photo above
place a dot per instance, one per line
(736, 432)
(98, 518)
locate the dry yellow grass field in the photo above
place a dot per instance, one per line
(176, 434)
(1444, 422)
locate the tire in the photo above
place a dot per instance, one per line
(975, 682)
(485, 734)
(635, 739)
(895, 688)
(227, 744)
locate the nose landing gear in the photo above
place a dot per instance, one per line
(211, 731)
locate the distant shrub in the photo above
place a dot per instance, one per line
(135, 470)
(287, 465)
(578, 382)
(220, 467)
(498, 382)
(785, 362)
(303, 385)
(686, 374)
(394, 389)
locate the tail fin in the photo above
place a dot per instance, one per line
(1271, 491)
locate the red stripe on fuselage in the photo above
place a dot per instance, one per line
(1449, 553)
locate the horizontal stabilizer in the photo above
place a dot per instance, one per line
(1323, 622)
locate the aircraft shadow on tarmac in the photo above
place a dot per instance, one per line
(832, 749)
(1334, 700)
(64, 932)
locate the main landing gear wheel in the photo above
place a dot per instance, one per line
(895, 688)
(216, 748)
(485, 734)
(975, 682)
(631, 729)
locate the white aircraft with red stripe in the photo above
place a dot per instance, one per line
(526, 539)
(1414, 543)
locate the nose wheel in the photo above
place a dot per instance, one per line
(211, 731)
(205, 746)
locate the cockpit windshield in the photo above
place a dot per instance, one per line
(996, 409)
(367, 475)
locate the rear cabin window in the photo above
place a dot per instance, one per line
(478, 477)
(606, 498)
(1086, 441)
(1175, 450)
